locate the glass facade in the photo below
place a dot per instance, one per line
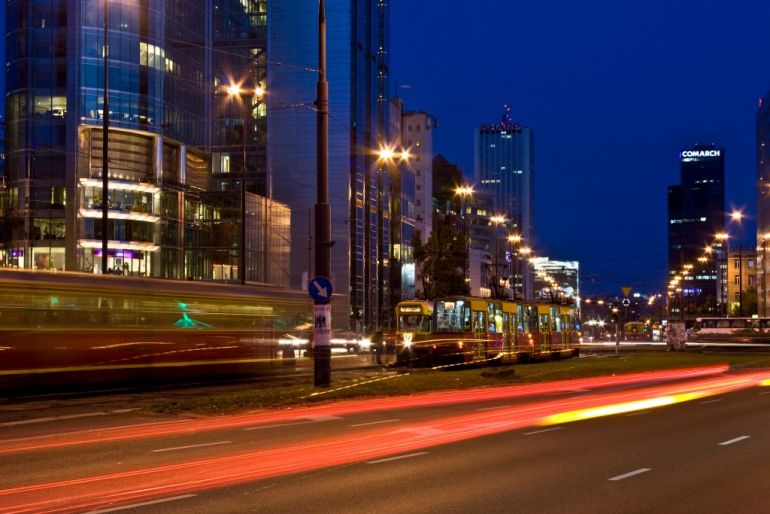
(358, 191)
(696, 212)
(173, 198)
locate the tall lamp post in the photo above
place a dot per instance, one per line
(723, 239)
(465, 192)
(737, 216)
(242, 96)
(105, 139)
(323, 219)
(515, 240)
(497, 221)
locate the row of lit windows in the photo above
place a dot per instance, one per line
(688, 220)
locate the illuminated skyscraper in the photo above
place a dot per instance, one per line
(696, 212)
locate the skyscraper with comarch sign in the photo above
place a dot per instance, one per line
(696, 213)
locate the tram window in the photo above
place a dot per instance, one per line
(723, 323)
(466, 319)
(753, 323)
(478, 321)
(739, 323)
(544, 321)
(519, 319)
(506, 323)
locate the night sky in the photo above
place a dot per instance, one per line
(613, 90)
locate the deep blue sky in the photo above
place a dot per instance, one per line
(613, 90)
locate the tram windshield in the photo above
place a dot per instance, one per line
(414, 323)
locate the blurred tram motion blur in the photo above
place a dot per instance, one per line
(73, 329)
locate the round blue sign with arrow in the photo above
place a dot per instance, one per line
(320, 289)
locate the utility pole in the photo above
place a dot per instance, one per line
(321, 342)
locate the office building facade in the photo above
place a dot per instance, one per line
(357, 72)
(696, 213)
(175, 144)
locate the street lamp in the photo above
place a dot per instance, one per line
(723, 240)
(465, 191)
(737, 216)
(236, 91)
(515, 240)
(497, 220)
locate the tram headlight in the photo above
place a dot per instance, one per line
(407, 339)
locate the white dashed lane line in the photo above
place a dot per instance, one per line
(629, 474)
(143, 504)
(732, 441)
(190, 446)
(711, 401)
(407, 456)
(543, 431)
(375, 423)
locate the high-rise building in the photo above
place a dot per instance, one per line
(402, 213)
(357, 71)
(417, 131)
(505, 166)
(696, 213)
(175, 146)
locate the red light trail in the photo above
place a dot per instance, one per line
(366, 444)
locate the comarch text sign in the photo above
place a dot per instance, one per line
(699, 154)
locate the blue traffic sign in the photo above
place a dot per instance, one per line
(320, 289)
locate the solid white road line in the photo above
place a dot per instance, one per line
(711, 401)
(543, 430)
(407, 456)
(143, 504)
(639, 413)
(629, 474)
(375, 423)
(737, 439)
(190, 446)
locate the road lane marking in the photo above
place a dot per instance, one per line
(311, 419)
(543, 431)
(190, 446)
(711, 401)
(375, 423)
(64, 417)
(399, 457)
(763, 393)
(143, 504)
(421, 431)
(731, 441)
(629, 474)
(639, 413)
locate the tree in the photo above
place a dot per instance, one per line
(441, 262)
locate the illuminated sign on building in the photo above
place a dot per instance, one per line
(694, 154)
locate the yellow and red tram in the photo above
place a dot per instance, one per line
(468, 329)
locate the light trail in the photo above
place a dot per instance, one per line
(145, 484)
(339, 409)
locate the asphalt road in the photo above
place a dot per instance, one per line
(482, 451)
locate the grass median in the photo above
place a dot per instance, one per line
(378, 383)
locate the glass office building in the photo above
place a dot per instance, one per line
(175, 143)
(696, 212)
(358, 187)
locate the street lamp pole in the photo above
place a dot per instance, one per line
(322, 349)
(105, 139)
(737, 216)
